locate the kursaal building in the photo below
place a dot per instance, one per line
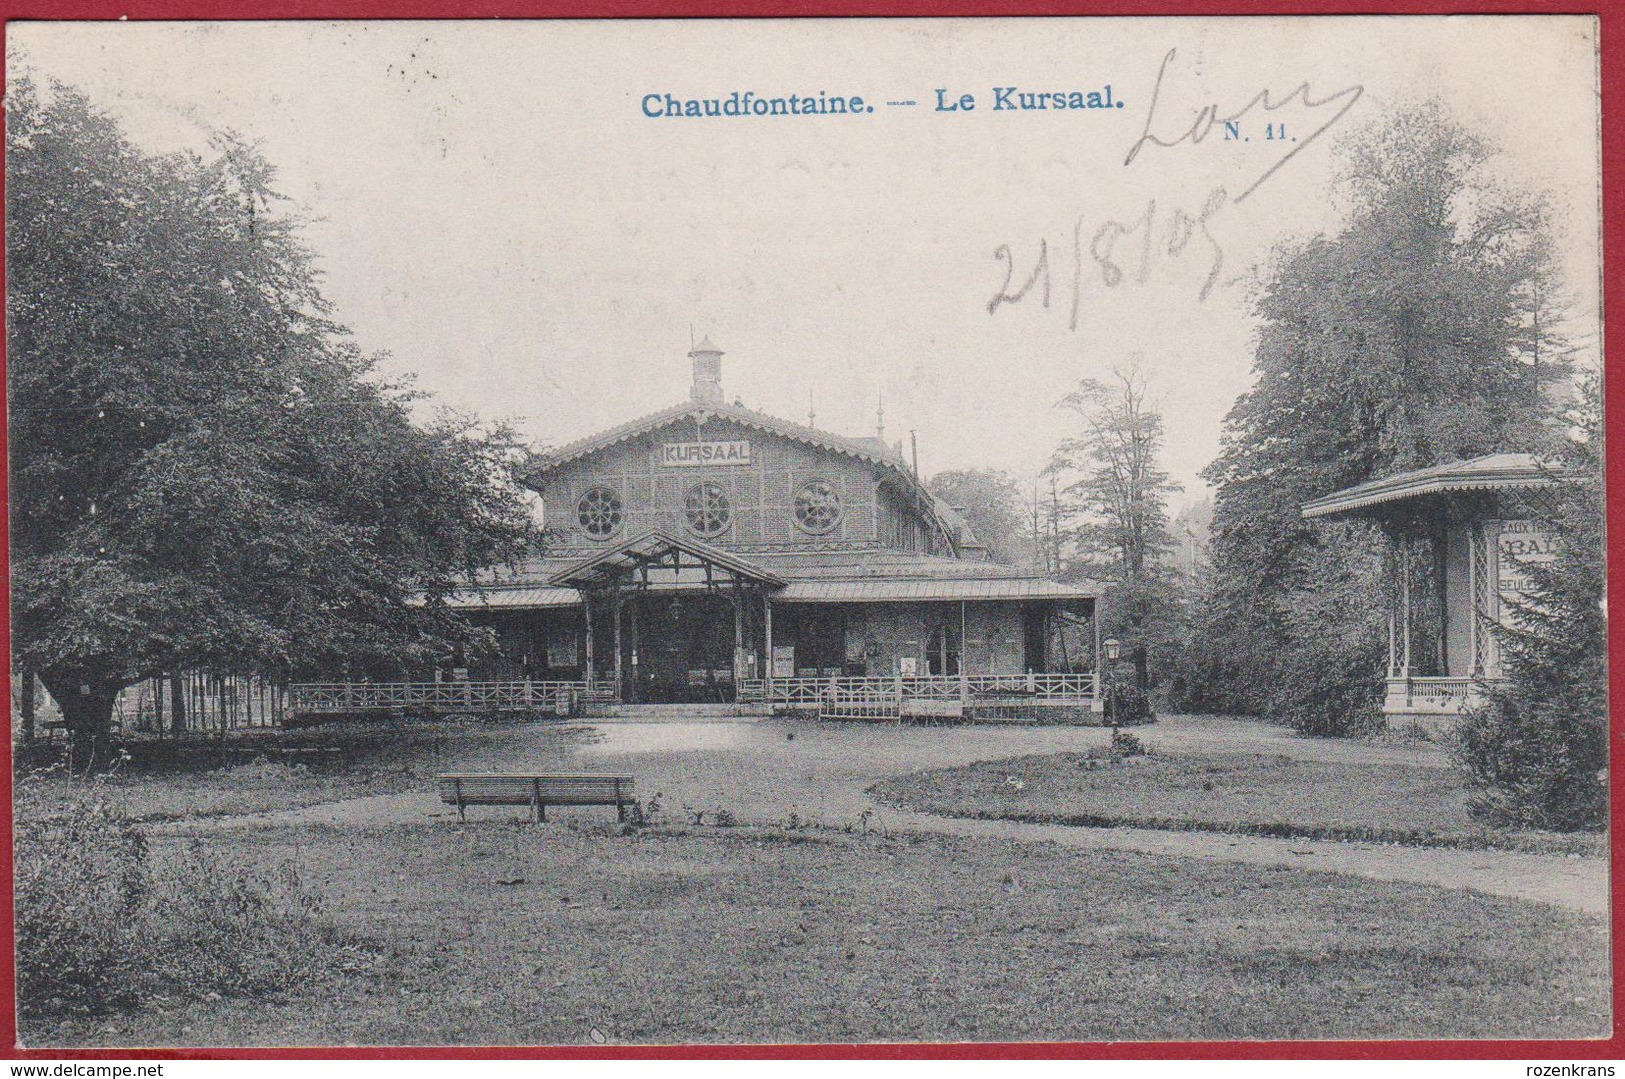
(712, 553)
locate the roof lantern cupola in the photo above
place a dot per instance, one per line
(707, 388)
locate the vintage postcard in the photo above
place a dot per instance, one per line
(594, 533)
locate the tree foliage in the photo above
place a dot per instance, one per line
(203, 470)
(1407, 339)
(1115, 511)
(991, 503)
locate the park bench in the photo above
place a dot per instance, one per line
(537, 790)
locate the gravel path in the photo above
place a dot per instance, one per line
(764, 772)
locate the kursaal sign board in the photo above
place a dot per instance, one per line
(697, 454)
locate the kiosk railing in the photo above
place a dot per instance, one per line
(1434, 693)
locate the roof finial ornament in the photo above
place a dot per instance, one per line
(880, 416)
(812, 413)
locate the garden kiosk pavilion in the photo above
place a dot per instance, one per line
(1463, 534)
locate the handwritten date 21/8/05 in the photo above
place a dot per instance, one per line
(1116, 249)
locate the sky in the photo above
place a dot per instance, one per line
(492, 208)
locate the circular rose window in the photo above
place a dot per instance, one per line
(818, 507)
(708, 510)
(599, 512)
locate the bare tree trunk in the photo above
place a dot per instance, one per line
(177, 703)
(25, 704)
(87, 709)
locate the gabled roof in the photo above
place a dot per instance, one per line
(872, 450)
(957, 524)
(651, 548)
(868, 449)
(1493, 472)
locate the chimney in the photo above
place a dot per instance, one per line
(707, 388)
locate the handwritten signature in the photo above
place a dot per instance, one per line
(1208, 118)
(1153, 234)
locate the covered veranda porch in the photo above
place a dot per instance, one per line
(664, 620)
(994, 642)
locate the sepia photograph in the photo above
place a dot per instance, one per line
(807, 532)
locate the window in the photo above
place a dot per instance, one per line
(708, 509)
(818, 507)
(599, 512)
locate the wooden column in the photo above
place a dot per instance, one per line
(1393, 646)
(1047, 626)
(586, 611)
(615, 610)
(1390, 564)
(633, 689)
(1441, 576)
(964, 654)
(739, 630)
(767, 634)
(1476, 606)
(1405, 606)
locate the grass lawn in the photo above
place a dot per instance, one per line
(1239, 793)
(262, 770)
(501, 932)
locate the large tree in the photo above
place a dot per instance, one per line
(991, 503)
(1419, 333)
(1114, 510)
(203, 470)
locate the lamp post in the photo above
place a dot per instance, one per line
(1114, 651)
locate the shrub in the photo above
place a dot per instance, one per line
(102, 921)
(1125, 744)
(1328, 687)
(1325, 672)
(1535, 764)
(1127, 703)
(79, 884)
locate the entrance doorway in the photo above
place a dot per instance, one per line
(676, 619)
(682, 650)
